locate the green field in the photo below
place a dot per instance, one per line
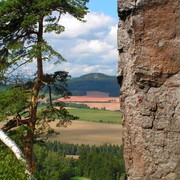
(95, 115)
(79, 178)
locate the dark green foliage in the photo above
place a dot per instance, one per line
(56, 83)
(55, 166)
(75, 105)
(19, 23)
(12, 101)
(94, 82)
(10, 168)
(103, 162)
(51, 164)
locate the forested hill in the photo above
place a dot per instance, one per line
(90, 82)
(94, 82)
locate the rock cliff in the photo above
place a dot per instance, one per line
(149, 76)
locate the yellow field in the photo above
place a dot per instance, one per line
(83, 132)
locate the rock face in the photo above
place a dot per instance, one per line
(149, 76)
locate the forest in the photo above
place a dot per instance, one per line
(62, 161)
(55, 160)
(93, 82)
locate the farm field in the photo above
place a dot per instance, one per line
(95, 127)
(95, 115)
(109, 103)
(113, 106)
(89, 99)
(83, 132)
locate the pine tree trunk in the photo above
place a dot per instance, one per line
(29, 139)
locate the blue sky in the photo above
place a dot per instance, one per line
(88, 47)
(109, 7)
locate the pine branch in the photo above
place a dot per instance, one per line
(15, 122)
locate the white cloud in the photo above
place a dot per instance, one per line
(88, 47)
(92, 46)
(94, 22)
(80, 69)
(112, 35)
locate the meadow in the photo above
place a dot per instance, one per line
(95, 115)
(79, 178)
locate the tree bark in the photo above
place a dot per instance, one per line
(29, 139)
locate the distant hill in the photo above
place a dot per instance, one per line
(90, 82)
(94, 82)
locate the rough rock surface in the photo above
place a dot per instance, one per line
(149, 76)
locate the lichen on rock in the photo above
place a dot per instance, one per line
(149, 76)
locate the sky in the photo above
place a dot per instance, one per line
(89, 47)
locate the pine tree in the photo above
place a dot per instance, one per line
(22, 28)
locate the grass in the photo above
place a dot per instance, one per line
(95, 115)
(79, 178)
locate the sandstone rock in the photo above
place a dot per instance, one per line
(149, 76)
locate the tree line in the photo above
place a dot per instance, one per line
(97, 163)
